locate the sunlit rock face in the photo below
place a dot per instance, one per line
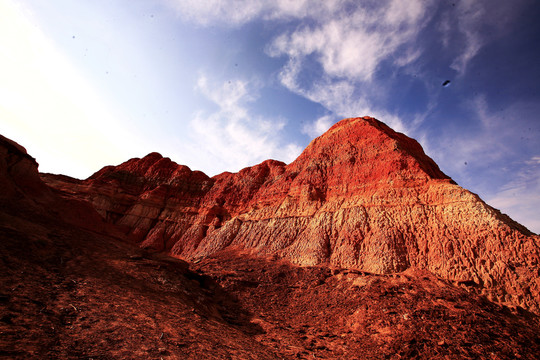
(360, 196)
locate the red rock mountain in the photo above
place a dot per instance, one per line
(360, 196)
(72, 288)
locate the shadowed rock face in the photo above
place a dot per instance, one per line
(360, 196)
(19, 177)
(22, 190)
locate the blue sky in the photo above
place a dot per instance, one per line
(221, 85)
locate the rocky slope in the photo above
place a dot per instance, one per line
(360, 196)
(20, 183)
(69, 291)
(70, 288)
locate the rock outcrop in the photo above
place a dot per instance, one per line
(19, 177)
(22, 190)
(360, 196)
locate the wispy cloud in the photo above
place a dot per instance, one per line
(520, 197)
(232, 12)
(352, 44)
(351, 40)
(231, 137)
(468, 19)
(342, 97)
(472, 23)
(490, 142)
(319, 126)
(494, 158)
(535, 160)
(496, 134)
(239, 12)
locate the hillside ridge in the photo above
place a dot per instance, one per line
(359, 196)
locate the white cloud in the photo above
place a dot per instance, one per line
(520, 197)
(339, 96)
(468, 19)
(476, 22)
(232, 137)
(535, 160)
(350, 40)
(232, 12)
(319, 126)
(488, 143)
(491, 158)
(352, 44)
(239, 12)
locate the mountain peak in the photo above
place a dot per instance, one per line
(360, 202)
(368, 150)
(359, 196)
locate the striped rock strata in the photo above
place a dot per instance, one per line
(359, 196)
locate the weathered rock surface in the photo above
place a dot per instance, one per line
(19, 177)
(23, 190)
(69, 290)
(360, 196)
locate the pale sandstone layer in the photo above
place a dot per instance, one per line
(359, 196)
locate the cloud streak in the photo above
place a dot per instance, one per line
(319, 126)
(476, 22)
(488, 160)
(351, 41)
(231, 137)
(239, 12)
(351, 44)
(520, 197)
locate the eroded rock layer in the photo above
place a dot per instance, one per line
(360, 196)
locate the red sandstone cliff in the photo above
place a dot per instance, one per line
(360, 196)
(67, 293)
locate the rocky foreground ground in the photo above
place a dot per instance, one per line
(71, 294)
